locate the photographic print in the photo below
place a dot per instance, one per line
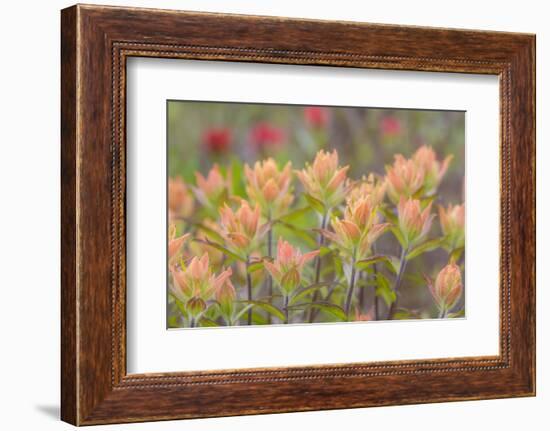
(286, 214)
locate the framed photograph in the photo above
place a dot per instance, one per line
(329, 214)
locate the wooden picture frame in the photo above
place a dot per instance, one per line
(96, 41)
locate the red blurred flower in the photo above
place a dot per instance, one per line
(263, 135)
(390, 126)
(316, 116)
(217, 139)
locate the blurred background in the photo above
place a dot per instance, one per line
(201, 134)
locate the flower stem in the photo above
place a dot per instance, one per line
(351, 285)
(249, 289)
(402, 265)
(321, 241)
(269, 254)
(286, 309)
(442, 313)
(376, 299)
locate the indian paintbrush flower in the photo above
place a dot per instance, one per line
(416, 177)
(212, 189)
(368, 186)
(175, 244)
(447, 288)
(269, 186)
(324, 180)
(358, 229)
(195, 284)
(452, 225)
(434, 170)
(414, 223)
(225, 296)
(404, 178)
(286, 268)
(180, 199)
(241, 229)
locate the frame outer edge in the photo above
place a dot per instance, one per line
(69, 197)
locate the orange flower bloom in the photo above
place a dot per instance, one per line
(417, 176)
(452, 224)
(414, 223)
(325, 180)
(434, 170)
(368, 186)
(404, 178)
(359, 228)
(180, 199)
(196, 282)
(211, 190)
(241, 229)
(269, 186)
(447, 288)
(364, 317)
(175, 244)
(287, 267)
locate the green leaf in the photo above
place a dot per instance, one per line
(253, 267)
(237, 183)
(271, 309)
(387, 294)
(386, 212)
(241, 313)
(424, 247)
(365, 263)
(323, 251)
(293, 215)
(210, 232)
(301, 293)
(327, 307)
(302, 233)
(316, 204)
(206, 322)
(399, 236)
(456, 254)
(402, 315)
(456, 314)
(221, 248)
(384, 290)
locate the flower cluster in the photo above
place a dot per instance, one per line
(334, 237)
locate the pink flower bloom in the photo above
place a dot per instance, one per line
(269, 186)
(358, 229)
(434, 170)
(390, 126)
(241, 229)
(264, 136)
(180, 198)
(452, 221)
(414, 223)
(196, 282)
(217, 139)
(287, 267)
(447, 288)
(325, 180)
(316, 116)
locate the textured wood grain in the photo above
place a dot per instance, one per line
(96, 41)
